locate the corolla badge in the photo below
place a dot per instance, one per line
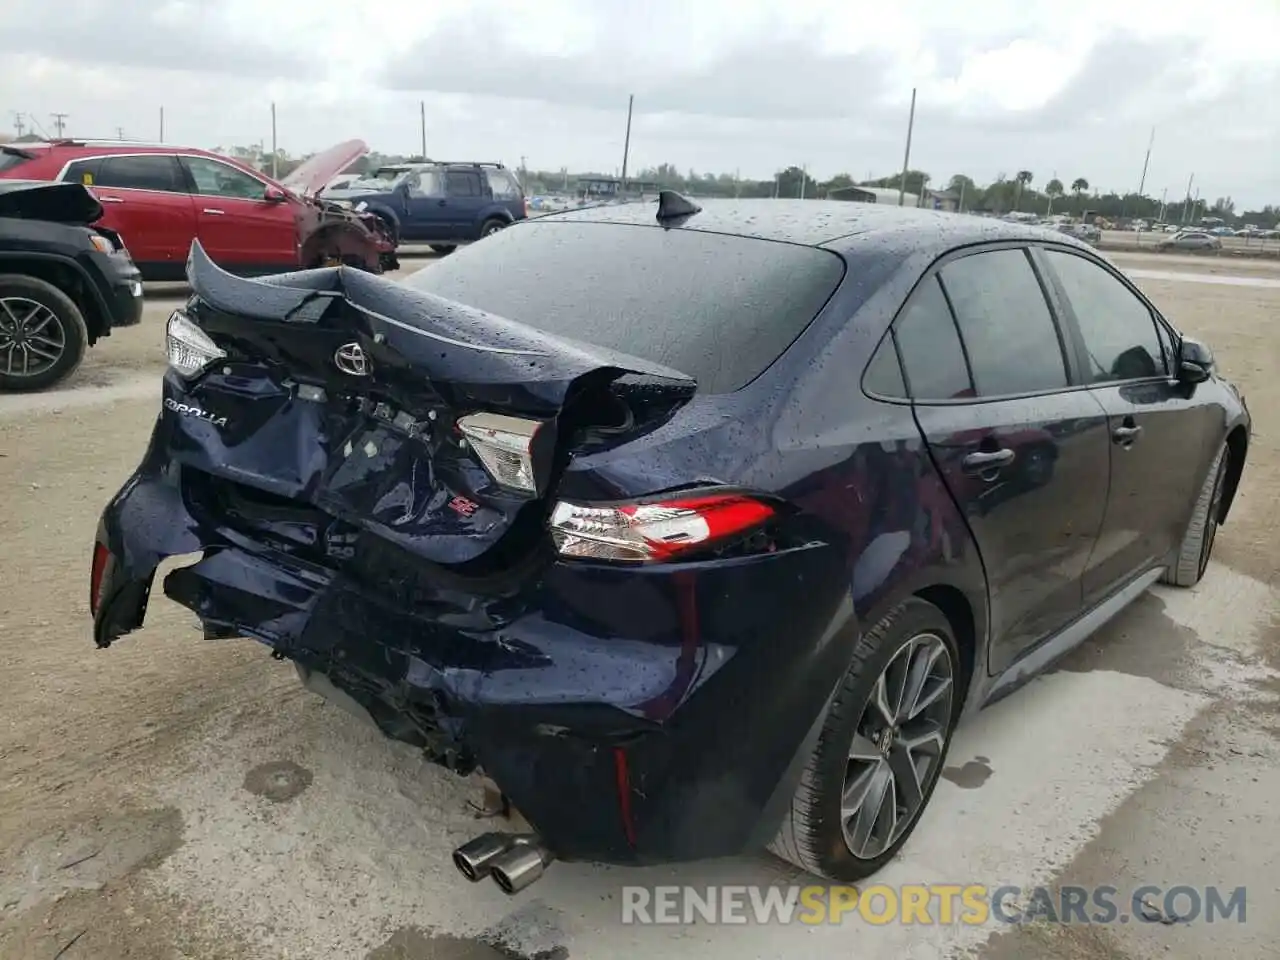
(350, 359)
(195, 412)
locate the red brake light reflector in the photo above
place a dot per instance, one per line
(655, 531)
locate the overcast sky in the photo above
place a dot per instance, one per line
(1071, 89)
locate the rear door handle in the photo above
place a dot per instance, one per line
(216, 213)
(1125, 436)
(987, 461)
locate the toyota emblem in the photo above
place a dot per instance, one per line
(350, 359)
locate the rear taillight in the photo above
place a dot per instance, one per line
(505, 447)
(97, 576)
(656, 531)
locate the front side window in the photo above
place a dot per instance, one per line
(1119, 332)
(1006, 324)
(932, 357)
(216, 179)
(148, 172)
(423, 183)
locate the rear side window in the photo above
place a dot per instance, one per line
(503, 184)
(1002, 313)
(884, 373)
(1119, 332)
(932, 356)
(462, 184)
(718, 308)
(150, 172)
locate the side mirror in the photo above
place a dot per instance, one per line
(1195, 361)
(274, 195)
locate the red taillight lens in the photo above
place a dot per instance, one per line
(97, 574)
(656, 531)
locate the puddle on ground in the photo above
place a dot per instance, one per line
(87, 856)
(277, 781)
(971, 775)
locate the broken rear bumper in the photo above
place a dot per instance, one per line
(633, 715)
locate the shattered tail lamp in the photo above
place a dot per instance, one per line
(505, 448)
(189, 348)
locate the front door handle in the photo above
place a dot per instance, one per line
(986, 462)
(1126, 435)
(216, 213)
(441, 203)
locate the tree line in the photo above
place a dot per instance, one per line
(1021, 192)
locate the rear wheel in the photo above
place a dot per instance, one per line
(443, 248)
(881, 748)
(1202, 531)
(42, 334)
(491, 227)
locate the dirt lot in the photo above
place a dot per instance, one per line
(176, 798)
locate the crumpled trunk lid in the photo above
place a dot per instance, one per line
(336, 410)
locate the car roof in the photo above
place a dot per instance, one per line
(838, 225)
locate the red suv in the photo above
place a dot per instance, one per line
(160, 197)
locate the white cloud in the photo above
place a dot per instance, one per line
(750, 85)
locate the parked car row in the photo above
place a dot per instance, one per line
(159, 198)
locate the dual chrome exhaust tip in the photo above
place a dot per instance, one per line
(515, 861)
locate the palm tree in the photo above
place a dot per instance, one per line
(1078, 186)
(1024, 179)
(1054, 189)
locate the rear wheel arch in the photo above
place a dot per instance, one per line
(956, 608)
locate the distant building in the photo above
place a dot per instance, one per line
(887, 195)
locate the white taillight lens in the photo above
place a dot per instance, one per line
(505, 447)
(650, 532)
(189, 348)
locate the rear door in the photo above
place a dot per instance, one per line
(1020, 447)
(1162, 438)
(467, 195)
(145, 200)
(235, 222)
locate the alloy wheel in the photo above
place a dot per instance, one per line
(897, 746)
(32, 338)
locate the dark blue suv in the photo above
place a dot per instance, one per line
(441, 204)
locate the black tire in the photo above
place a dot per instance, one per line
(490, 227)
(444, 249)
(813, 835)
(1202, 530)
(19, 296)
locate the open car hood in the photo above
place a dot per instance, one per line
(310, 178)
(55, 202)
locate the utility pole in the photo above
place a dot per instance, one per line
(804, 178)
(19, 123)
(626, 144)
(524, 173)
(59, 122)
(906, 156)
(162, 124)
(1186, 203)
(1150, 143)
(275, 154)
(960, 202)
(119, 133)
(737, 183)
(422, 125)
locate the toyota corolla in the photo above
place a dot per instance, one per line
(696, 530)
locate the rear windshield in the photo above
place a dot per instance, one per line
(718, 308)
(11, 158)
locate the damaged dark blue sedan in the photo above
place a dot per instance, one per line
(696, 530)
